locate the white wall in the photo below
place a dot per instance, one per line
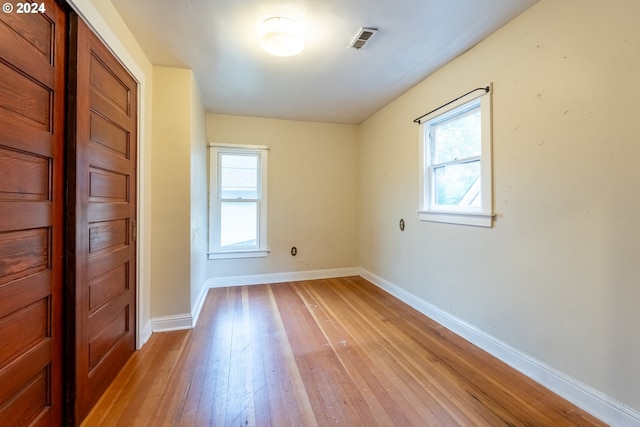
(557, 276)
(312, 193)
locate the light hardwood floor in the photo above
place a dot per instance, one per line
(322, 352)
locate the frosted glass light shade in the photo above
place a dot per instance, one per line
(281, 36)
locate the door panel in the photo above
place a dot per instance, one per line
(32, 139)
(103, 185)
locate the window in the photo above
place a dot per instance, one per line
(455, 167)
(238, 201)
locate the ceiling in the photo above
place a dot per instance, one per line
(327, 82)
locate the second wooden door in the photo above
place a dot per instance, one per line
(102, 250)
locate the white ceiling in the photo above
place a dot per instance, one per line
(327, 82)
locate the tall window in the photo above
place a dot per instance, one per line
(455, 165)
(238, 201)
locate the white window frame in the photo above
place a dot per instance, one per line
(261, 249)
(483, 215)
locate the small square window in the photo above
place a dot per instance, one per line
(455, 164)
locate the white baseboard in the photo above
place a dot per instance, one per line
(172, 323)
(258, 279)
(195, 311)
(599, 405)
(180, 321)
(144, 333)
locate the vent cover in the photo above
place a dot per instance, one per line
(362, 37)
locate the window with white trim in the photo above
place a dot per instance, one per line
(455, 164)
(237, 201)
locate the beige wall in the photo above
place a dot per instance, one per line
(171, 196)
(312, 193)
(557, 277)
(178, 225)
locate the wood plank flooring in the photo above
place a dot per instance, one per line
(323, 352)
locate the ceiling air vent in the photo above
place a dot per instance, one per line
(363, 37)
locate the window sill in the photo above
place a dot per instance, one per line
(252, 253)
(466, 218)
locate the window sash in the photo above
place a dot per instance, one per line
(459, 114)
(245, 179)
(248, 230)
(434, 195)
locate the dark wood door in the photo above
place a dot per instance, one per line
(102, 180)
(32, 103)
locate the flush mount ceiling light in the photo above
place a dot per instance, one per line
(281, 36)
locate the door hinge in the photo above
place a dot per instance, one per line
(134, 230)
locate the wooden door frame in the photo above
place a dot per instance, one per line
(92, 17)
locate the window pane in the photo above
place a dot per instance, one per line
(458, 137)
(458, 184)
(238, 176)
(238, 224)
